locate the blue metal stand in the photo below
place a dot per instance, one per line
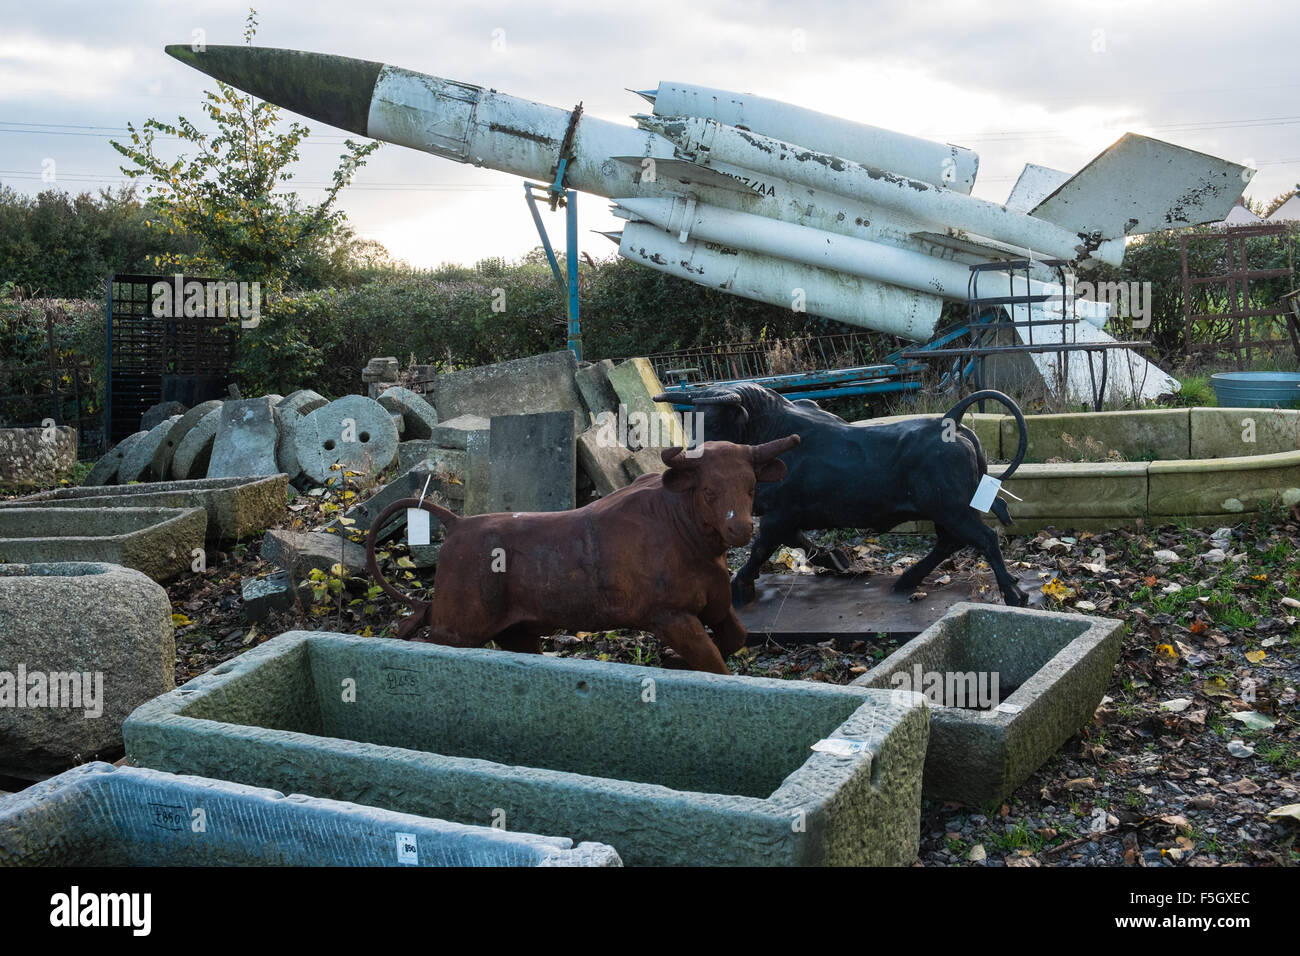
(568, 286)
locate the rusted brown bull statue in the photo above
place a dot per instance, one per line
(651, 556)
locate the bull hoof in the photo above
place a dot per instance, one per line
(1016, 598)
(742, 593)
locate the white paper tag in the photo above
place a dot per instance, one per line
(417, 526)
(841, 746)
(985, 493)
(408, 850)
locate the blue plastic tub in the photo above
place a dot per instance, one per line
(1257, 389)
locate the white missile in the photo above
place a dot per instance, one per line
(923, 159)
(785, 283)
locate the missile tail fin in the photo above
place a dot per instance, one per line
(1140, 185)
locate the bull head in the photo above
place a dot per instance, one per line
(725, 415)
(720, 477)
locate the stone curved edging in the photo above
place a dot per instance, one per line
(1220, 485)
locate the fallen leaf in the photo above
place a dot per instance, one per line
(1243, 786)
(1177, 705)
(1166, 651)
(1081, 783)
(1290, 811)
(1256, 657)
(1198, 626)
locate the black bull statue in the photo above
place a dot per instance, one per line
(872, 477)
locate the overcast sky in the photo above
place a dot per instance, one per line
(1044, 82)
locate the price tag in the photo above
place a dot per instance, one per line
(408, 850)
(417, 526)
(985, 493)
(841, 746)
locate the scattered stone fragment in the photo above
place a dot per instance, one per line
(274, 592)
(1165, 556)
(298, 552)
(455, 433)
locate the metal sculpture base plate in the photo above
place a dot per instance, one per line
(808, 609)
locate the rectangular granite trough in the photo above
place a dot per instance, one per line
(1006, 686)
(668, 767)
(161, 542)
(236, 507)
(99, 815)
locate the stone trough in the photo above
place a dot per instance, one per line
(668, 767)
(1051, 671)
(237, 507)
(1207, 466)
(98, 815)
(158, 541)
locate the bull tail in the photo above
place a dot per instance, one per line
(419, 608)
(956, 412)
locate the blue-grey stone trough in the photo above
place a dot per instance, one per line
(1051, 671)
(99, 815)
(668, 767)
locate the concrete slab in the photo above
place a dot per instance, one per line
(809, 609)
(1237, 432)
(534, 462)
(158, 541)
(194, 451)
(593, 384)
(106, 469)
(419, 416)
(1006, 686)
(96, 641)
(1222, 485)
(635, 384)
(478, 472)
(602, 461)
(1151, 435)
(101, 815)
(354, 432)
(236, 507)
(245, 439)
(160, 468)
(36, 456)
(669, 767)
(539, 383)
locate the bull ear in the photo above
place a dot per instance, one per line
(680, 480)
(773, 470)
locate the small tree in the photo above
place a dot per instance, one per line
(230, 195)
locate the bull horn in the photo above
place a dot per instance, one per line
(673, 458)
(769, 450)
(726, 398)
(675, 398)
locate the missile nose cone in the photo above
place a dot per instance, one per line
(332, 89)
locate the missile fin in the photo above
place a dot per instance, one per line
(1140, 185)
(686, 173)
(1035, 184)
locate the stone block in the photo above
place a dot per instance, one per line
(299, 552)
(534, 462)
(236, 507)
(1219, 486)
(354, 432)
(1084, 490)
(455, 433)
(245, 440)
(419, 416)
(275, 592)
(36, 456)
(647, 461)
(101, 815)
(160, 468)
(539, 383)
(97, 639)
(1137, 435)
(635, 384)
(478, 472)
(593, 384)
(158, 541)
(668, 767)
(194, 451)
(602, 461)
(1241, 432)
(1049, 672)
